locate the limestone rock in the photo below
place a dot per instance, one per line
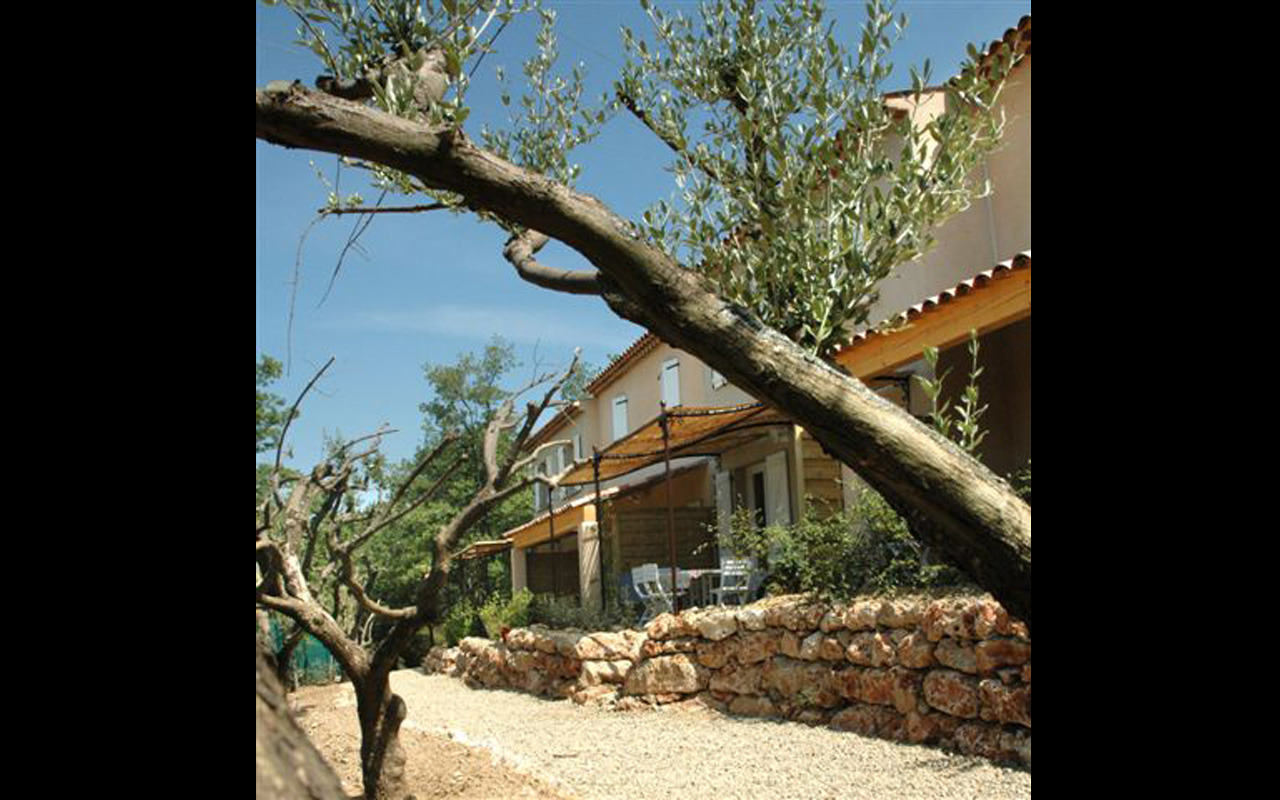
(993, 653)
(674, 673)
(669, 626)
(861, 616)
(751, 618)
(1002, 703)
(901, 612)
(871, 648)
(739, 680)
(952, 692)
(756, 646)
(598, 672)
(959, 656)
(753, 706)
(870, 721)
(715, 624)
(809, 647)
(916, 651)
(930, 728)
(602, 647)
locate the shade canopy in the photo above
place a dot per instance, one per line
(693, 431)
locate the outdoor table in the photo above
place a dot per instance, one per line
(700, 585)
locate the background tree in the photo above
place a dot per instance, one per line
(270, 406)
(769, 103)
(319, 515)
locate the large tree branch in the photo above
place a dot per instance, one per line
(954, 502)
(520, 250)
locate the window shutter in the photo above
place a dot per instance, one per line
(671, 383)
(619, 417)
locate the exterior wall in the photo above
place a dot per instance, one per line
(991, 230)
(823, 485)
(635, 525)
(552, 567)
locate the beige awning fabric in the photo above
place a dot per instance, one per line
(694, 431)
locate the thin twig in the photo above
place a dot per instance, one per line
(289, 420)
(324, 212)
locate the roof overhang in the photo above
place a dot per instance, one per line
(986, 302)
(691, 431)
(481, 549)
(546, 526)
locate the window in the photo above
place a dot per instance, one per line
(671, 382)
(577, 447)
(717, 380)
(619, 417)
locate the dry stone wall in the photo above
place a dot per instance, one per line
(953, 672)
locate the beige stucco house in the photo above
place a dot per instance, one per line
(727, 453)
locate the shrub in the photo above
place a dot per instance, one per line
(563, 612)
(501, 613)
(458, 623)
(865, 549)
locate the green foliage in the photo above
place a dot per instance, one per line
(458, 622)
(551, 120)
(798, 188)
(389, 38)
(964, 428)
(271, 407)
(865, 549)
(561, 613)
(501, 613)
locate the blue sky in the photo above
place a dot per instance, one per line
(428, 287)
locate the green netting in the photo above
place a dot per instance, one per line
(311, 663)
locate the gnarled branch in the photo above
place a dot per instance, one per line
(520, 250)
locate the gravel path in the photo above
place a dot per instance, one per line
(593, 753)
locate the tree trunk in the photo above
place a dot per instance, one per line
(289, 767)
(284, 659)
(382, 759)
(949, 499)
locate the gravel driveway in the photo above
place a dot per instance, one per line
(660, 754)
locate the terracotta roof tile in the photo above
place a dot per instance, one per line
(1019, 262)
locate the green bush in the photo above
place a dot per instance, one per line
(563, 612)
(865, 549)
(500, 612)
(458, 623)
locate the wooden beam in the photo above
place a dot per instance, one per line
(567, 521)
(1003, 301)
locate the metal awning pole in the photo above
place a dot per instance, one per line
(671, 517)
(595, 474)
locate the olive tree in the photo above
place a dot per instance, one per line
(797, 191)
(315, 516)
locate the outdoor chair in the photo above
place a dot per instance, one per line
(683, 580)
(735, 581)
(647, 585)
